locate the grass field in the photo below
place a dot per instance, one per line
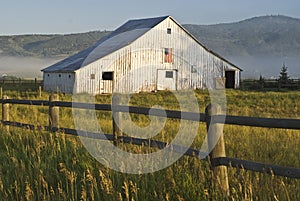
(38, 165)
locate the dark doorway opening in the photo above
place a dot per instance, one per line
(107, 75)
(230, 79)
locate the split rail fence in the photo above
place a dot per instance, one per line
(217, 158)
(35, 81)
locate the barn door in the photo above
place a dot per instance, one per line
(230, 79)
(166, 79)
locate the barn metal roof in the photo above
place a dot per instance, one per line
(119, 38)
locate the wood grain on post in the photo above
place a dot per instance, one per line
(217, 146)
(40, 91)
(53, 112)
(5, 113)
(116, 101)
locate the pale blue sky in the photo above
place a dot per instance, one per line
(72, 16)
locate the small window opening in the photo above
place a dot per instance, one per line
(169, 74)
(169, 31)
(92, 76)
(59, 75)
(107, 75)
(69, 76)
(48, 75)
(193, 69)
(168, 55)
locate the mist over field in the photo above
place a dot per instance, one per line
(25, 67)
(253, 67)
(268, 67)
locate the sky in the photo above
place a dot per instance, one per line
(74, 16)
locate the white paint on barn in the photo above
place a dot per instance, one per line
(133, 59)
(166, 79)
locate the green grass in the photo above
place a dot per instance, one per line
(38, 165)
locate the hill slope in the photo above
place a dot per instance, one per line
(268, 35)
(48, 45)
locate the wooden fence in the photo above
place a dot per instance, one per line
(217, 158)
(22, 86)
(21, 82)
(291, 84)
(245, 83)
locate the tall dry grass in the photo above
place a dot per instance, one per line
(38, 165)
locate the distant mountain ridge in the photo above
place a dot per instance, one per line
(268, 35)
(258, 45)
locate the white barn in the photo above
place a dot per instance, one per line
(142, 55)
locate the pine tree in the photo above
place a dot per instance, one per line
(283, 77)
(261, 81)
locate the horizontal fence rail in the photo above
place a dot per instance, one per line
(193, 116)
(200, 117)
(110, 137)
(26, 102)
(258, 167)
(21, 81)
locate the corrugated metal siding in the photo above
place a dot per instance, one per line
(135, 66)
(60, 82)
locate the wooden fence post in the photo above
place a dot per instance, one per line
(1, 92)
(53, 112)
(40, 91)
(5, 113)
(217, 146)
(116, 101)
